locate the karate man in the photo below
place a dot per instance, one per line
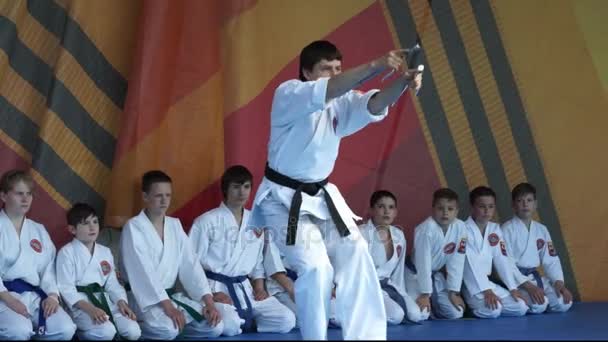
(29, 298)
(434, 275)
(387, 246)
(87, 282)
(155, 252)
(231, 252)
(530, 245)
(310, 221)
(485, 248)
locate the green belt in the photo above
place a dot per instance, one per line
(90, 290)
(170, 292)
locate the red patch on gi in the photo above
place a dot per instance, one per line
(399, 251)
(503, 248)
(552, 251)
(36, 245)
(258, 232)
(462, 246)
(106, 268)
(493, 239)
(540, 243)
(449, 248)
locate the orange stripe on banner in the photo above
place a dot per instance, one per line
(262, 41)
(188, 145)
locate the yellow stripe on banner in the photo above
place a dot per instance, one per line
(421, 117)
(261, 41)
(566, 105)
(488, 91)
(448, 94)
(111, 25)
(47, 47)
(52, 129)
(188, 144)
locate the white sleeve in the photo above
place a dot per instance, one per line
(258, 270)
(191, 273)
(113, 287)
(550, 260)
(474, 278)
(142, 276)
(455, 265)
(48, 278)
(502, 264)
(352, 113)
(199, 239)
(272, 258)
(294, 99)
(423, 262)
(398, 275)
(66, 279)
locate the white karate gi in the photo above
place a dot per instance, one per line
(30, 257)
(394, 271)
(274, 263)
(77, 267)
(483, 252)
(305, 135)
(530, 250)
(151, 265)
(226, 248)
(432, 252)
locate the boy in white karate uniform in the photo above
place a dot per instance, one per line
(86, 276)
(156, 251)
(530, 246)
(231, 253)
(387, 246)
(486, 247)
(29, 298)
(314, 227)
(434, 272)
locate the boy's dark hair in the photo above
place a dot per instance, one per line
(79, 212)
(151, 177)
(480, 191)
(316, 51)
(446, 193)
(523, 189)
(377, 195)
(12, 177)
(235, 174)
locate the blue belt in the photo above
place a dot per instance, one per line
(291, 274)
(533, 271)
(20, 286)
(246, 314)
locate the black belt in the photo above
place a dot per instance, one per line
(296, 202)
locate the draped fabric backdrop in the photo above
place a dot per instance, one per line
(94, 93)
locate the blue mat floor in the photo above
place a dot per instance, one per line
(584, 321)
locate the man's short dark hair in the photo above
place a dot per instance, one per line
(522, 189)
(151, 177)
(79, 213)
(378, 195)
(235, 174)
(444, 193)
(316, 51)
(480, 191)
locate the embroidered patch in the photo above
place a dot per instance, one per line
(399, 251)
(449, 248)
(462, 246)
(552, 251)
(36, 245)
(258, 232)
(540, 243)
(493, 239)
(106, 268)
(503, 248)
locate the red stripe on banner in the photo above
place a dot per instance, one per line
(172, 58)
(204, 201)
(44, 209)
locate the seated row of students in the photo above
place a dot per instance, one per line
(450, 255)
(232, 277)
